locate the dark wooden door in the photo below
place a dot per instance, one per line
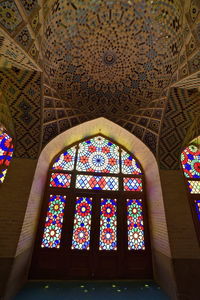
(68, 263)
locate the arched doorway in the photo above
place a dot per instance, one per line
(93, 222)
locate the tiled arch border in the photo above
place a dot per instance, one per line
(156, 210)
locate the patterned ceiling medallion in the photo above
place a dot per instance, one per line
(109, 58)
(111, 52)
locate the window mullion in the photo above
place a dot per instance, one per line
(74, 172)
(120, 174)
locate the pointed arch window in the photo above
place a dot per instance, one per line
(94, 201)
(190, 160)
(6, 153)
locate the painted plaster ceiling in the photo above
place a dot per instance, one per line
(102, 56)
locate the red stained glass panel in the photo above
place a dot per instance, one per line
(133, 184)
(108, 225)
(82, 224)
(90, 182)
(135, 225)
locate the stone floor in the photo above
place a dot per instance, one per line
(86, 290)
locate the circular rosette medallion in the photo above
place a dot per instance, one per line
(136, 239)
(108, 210)
(52, 236)
(56, 207)
(83, 209)
(81, 237)
(98, 161)
(108, 236)
(195, 164)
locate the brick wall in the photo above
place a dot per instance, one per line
(171, 228)
(182, 235)
(13, 201)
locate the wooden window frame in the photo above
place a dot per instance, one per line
(73, 192)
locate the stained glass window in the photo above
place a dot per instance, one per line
(66, 160)
(108, 225)
(9, 155)
(5, 142)
(129, 164)
(98, 155)
(194, 187)
(90, 182)
(60, 180)
(54, 222)
(197, 207)
(82, 224)
(135, 225)
(6, 153)
(95, 164)
(133, 184)
(190, 159)
(2, 175)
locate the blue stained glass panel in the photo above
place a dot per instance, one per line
(197, 207)
(3, 175)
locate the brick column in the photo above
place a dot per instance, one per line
(185, 251)
(14, 193)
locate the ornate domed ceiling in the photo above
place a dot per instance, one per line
(135, 62)
(104, 55)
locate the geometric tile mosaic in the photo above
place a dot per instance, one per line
(10, 16)
(124, 77)
(24, 38)
(29, 5)
(11, 53)
(22, 90)
(181, 108)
